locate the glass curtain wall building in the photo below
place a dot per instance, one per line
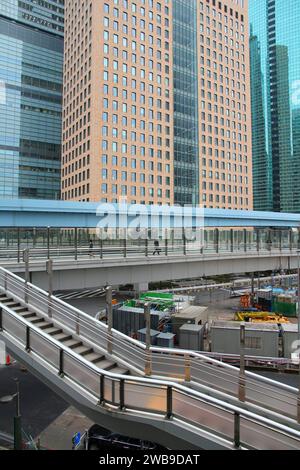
(31, 72)
(275, 83)
(186, 132)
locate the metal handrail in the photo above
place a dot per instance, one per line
(136, 344)
(163, 384)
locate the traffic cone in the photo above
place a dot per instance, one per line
(8, 360)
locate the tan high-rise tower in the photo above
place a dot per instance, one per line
(157, 102)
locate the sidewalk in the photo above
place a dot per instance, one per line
(58, 436)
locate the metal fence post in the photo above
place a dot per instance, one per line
(76, 243)
(125, 248)
(217, 240)
(27, 274)
(169, 402)
(109, 319)
(166, 243)
(237, 430)
(245, 240)
(61, 363)
(231, 241)
(1, 319)
(146, 247)
(242, 378)
(48, 242)
(187, 367)
(19, 245)
(49, 269)
(184, 242)
(28, 348)
(102, 390)
(148, 364)
(101, 249)
(122, 395)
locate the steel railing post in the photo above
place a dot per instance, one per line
(76, 243)
(231, 241)
(242, 378)
(122, 395)
(48, 242)
(184, 242)
(217, 240)
(101, 249)
(5, 280)
(27, 274)
(102, 390)
(148, 362)
(245, 240)
(169, 413)
(109, 319)
(237, 430)
(166, 243)
(61, 363)
(19, 245)
(146, 247)
(1, 319)
(28, 348)
(187, 367)
(49, 269)
(125, 248)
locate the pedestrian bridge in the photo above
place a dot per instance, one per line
(116, 265)
(186, 400)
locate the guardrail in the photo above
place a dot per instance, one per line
(174, 364)
(150, 399)
(146, 249)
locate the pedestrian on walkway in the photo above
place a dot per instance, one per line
(157, 248)
(91, 246)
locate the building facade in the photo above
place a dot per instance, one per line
(275, 72)
(157, 102)
(31, 69)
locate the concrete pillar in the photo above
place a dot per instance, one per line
(141, 287)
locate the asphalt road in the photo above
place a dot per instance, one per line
(39, 405)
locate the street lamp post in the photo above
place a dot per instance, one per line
(17, 417)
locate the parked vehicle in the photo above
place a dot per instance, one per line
(98, 439)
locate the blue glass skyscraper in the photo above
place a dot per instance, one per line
(31, 75)
(275, 84)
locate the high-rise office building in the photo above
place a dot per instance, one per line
(275, 71)
(31, 70)
(157, 102)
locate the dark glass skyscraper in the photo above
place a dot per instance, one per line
(275, 83)
(31, 72)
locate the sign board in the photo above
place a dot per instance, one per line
(76, 439)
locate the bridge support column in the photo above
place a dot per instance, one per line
(141, 287)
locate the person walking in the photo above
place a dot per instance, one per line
(157, 248)
(91, 246)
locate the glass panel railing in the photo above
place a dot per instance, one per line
(46, 350)
(82, 374)
(145, 397)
